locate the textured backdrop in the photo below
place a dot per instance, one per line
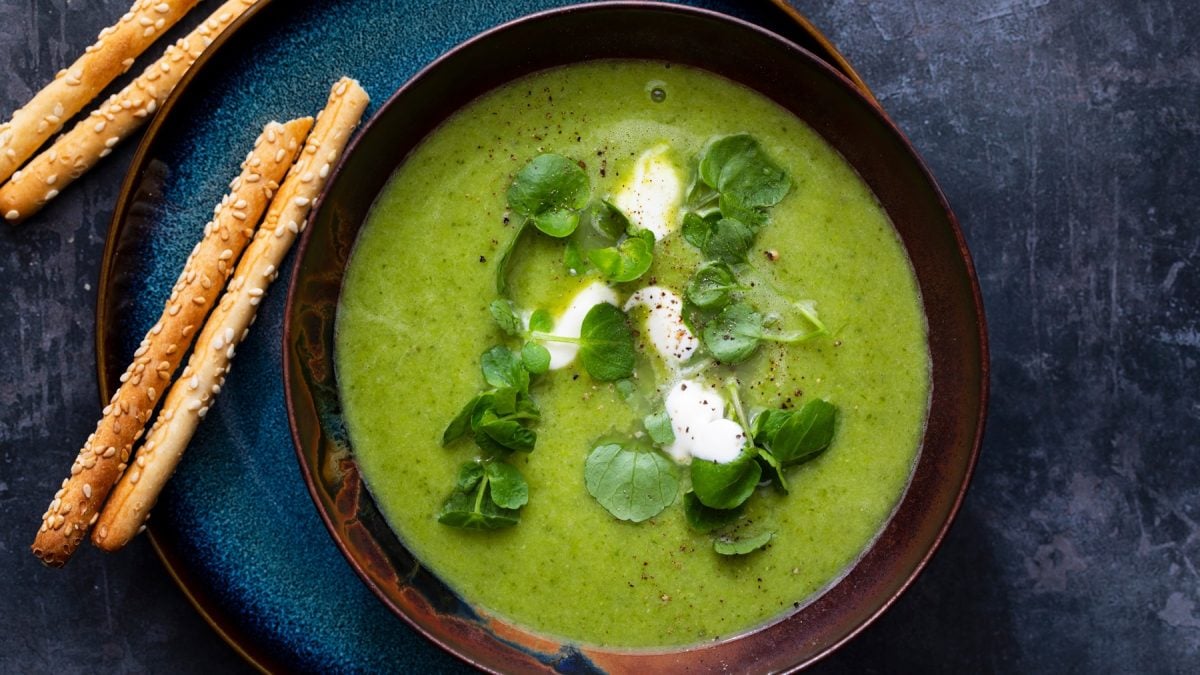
(1066, 135)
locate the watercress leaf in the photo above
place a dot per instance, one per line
(609, 221)
(658, 426)
(558, 224)
(766, 424)
(541, 321)
(696, 317)
(507, 432)
(460, 424)
(466, 511)
(737, 165)
(719, 153)
(632, 485)
(696, 230)
(734, 334)
(729, 241)
(508, 487)
(469, 476)
(730, 545)
(606, 346)
(626, 261)
(549, 182)
(504, 401)
(805, 434)
(526, 407)
(704, 519)
(502, 368)
(773, 468)
(489, 446)
(711, 286)
(506, 317)
(573, 258)
(730, 207)
(725, 486)
(505, 256)
(483, 402)
(535, 357)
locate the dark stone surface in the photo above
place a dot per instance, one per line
(1065, 135)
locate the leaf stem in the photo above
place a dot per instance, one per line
(735, 397)
(483, 482)
(550, 337)
(502, 265)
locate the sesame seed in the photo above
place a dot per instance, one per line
(306, 177)
(112, 141)
(300, 201)
(226, 254)
(106, 152)
(51, 194)
(268, 270)
(255, 292)
(279, 155)
(13, 214)
(145, 21)
(240, 215)
(193, 404)
(228, 334)
(194, 383)
(325, 170)
(148, 32)
(271, 135)
(341, 89)
(162, 8)
(134, 476)
(51, 179)
(198, 300)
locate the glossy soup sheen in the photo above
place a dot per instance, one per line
(413, 321)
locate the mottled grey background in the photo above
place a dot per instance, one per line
(1065, 133)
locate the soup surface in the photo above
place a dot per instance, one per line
(414, 319)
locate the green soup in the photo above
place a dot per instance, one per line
(413, 321)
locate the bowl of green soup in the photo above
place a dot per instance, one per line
(633, 338)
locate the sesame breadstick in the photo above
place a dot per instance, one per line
(72, 88)
(195, 392)
(76, 506)
(123, 113)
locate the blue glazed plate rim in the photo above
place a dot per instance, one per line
(175, 567)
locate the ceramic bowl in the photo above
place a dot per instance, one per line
(811, 90)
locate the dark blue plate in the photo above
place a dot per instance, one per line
(236, 527)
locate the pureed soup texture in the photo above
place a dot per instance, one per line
(631, 357)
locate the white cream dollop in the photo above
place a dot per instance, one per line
(664, 323)
(697, 415)
(653, 194)
(569, 323)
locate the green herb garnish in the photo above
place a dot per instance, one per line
(728, 485)
(734, 334)
(550, 190)
(730, 545)
(795, 436)
(535, 357)
(631, 484)
(738, 168)
(658, 427)
(627, 260)
(486, 496)
(712, 285)
(605, 341)
(704, 519)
